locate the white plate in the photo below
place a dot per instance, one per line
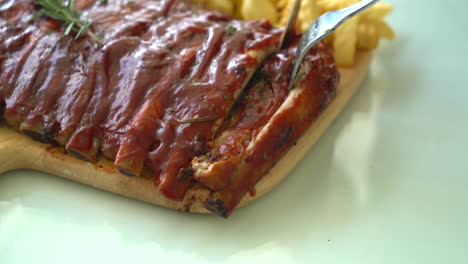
(386, 184)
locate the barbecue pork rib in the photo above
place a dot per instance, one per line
(152, 96)
(169, 95)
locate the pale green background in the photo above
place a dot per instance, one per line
(386, 184)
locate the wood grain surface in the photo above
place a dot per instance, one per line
(18, 151)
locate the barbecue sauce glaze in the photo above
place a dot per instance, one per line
(153, 97)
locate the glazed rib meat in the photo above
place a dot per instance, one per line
(159, 98)
(269, 120)
(152, 96)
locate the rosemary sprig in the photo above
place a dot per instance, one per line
(69, 15)
(231, 30)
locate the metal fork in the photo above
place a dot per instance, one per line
(321, 28)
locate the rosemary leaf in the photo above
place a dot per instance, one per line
(231, 30)
(67, 14)
(69, 28)
(82, 30)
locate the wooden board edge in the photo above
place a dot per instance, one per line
(18, 151)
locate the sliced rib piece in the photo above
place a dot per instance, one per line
(17, 40)
(109, 65)
(15, 33)
(12, 56)
(319, 78)
(266, 92)
(74, 101)
(41, 121)
(142, 130)
(149, 68)
(27, 79)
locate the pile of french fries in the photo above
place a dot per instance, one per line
(362, 32)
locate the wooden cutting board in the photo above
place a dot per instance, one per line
(18, 151)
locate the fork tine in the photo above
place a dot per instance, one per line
(323, 27)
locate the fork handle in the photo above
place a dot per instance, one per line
(356, 8)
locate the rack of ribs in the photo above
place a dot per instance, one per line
(169, 95)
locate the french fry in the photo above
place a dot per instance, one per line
(376, 12)
(226, 6)
(328, 5)
(308, 13)
(345, 42)
(258, 9)
(363, 33)
(274, 2)
(281, 4)
(368, 37)
(285, 7)
(237, 6)
(385, 31)
(329, 40)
